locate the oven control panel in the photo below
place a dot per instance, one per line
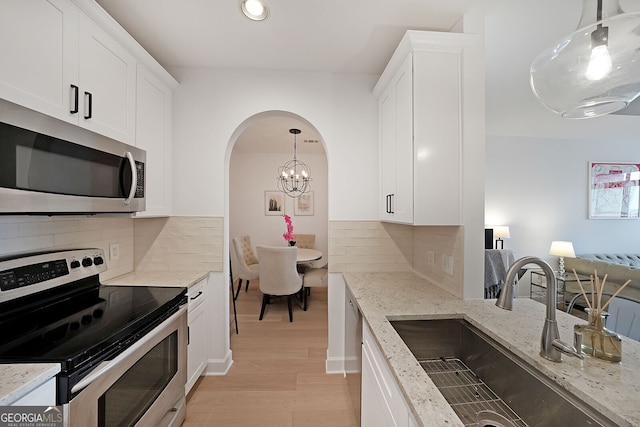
(32, 274)
(26, 274)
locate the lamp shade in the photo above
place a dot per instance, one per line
(562, 248)
(593, 71)
(501, 232)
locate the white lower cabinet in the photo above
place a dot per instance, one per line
(196, 355)
(383, 403)
(43, 395)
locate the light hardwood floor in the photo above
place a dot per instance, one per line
(278, 375)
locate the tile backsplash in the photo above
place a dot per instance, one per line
(20, 234)
(370, 246)
(179, 244)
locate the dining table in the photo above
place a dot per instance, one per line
(307, 255)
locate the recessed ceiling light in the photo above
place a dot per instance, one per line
(255, 9)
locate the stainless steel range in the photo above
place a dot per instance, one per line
(122, 349)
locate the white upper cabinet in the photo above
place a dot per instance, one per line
(420, 106)
(57, 61)
(397, 146)
(38, 45)
(107, 84)
(153, 134)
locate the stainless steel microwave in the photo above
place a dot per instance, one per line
(48, 167)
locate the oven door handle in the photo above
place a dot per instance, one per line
(105, 367)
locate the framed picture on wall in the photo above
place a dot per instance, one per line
(273, 203)
(614, 190)
(303, 205)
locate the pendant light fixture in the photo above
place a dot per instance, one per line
(596, 69)
(294, 177)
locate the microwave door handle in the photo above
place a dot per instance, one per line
(134, 178)
(104, 368)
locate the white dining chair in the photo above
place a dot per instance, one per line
(313, 278)
(244, 264)
(278, 275)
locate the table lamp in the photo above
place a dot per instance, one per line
(501, 232)
(562, 249)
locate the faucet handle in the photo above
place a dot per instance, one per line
(567, 349)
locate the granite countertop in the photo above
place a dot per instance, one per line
(17, 380)
(182, 279)
(611, 388)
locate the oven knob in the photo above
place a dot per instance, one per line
(86, 262)
(98, 260)
(75, 263)
(86, 319)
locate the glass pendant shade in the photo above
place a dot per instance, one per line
(596, 69)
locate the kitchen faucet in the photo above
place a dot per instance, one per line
(551, 347)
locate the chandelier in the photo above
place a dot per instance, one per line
(294, 177)
(596, 69)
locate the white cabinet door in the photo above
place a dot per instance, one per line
(196, 349)
(38, 44)
(388, 153)
(107, 81)
(375, 411)
(153, 134)
(396, 134)
(44, 395)
(383, 403)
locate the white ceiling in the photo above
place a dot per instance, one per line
(322, 35)
(345, 36)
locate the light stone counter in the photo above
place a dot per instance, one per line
(611, 388)
(17, 380)
(182, 279)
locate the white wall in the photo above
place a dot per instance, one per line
(536, 162)
(250, 175)
(539, 187)
(210, 106)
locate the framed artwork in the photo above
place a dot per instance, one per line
(303, 205)
(614, 190)
(273, 203)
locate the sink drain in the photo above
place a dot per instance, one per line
(493, 419)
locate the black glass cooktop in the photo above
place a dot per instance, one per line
(84, 325)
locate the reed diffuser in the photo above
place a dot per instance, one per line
(597, 340)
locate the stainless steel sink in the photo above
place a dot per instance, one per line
(485, 383)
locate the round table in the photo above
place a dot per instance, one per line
(306, 255)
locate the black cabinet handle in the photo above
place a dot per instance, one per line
(74, 93)
(197, 296)
(88, 108)
(391, 203)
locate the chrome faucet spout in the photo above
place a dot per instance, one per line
(550, 344)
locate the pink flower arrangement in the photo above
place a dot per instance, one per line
(288, 236)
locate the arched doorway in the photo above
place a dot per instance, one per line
(263, 144)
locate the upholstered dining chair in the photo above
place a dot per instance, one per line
(305, 241)
(313, 278)
(244, 263)
(278, 275)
